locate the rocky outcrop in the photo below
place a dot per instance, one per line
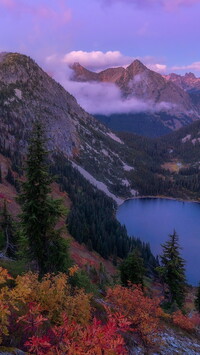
(187, 82)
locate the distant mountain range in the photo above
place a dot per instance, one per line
(172, 99)
(188, 82)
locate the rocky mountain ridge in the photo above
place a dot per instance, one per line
(162, 94)
(188, 82)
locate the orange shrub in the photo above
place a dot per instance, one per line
(182, 321)
(142, 312)
(196, 320)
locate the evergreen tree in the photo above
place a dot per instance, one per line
(115, 256)
(132, 269)
(172, 270)
(40, 212)
(8, 235)
(197, 301)
(10, 177)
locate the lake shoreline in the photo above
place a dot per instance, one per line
(159, 197)
(153, 218)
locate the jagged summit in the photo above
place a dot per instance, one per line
(136, 67)
(188, 82)
(190, 75)
(82, 74)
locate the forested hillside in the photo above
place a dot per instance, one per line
(168, 165)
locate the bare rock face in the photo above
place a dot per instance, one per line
(187, 82)
(26, 95)
(111, 75)
(82, 74)
(143, 83)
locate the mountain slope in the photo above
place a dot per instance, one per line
(27, 93)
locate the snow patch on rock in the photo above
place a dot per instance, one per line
(100, 185)
(195, 140)
(18, 93)
(186, 138)
(127, 167)
(114, 137)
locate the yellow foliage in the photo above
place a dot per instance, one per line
(4, 315)
(73, 270)
(4, 276)
(53, 293)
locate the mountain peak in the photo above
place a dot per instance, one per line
(76, 65)
(136, 67)
(83, 74)
(190, 75)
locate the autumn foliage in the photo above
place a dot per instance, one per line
(184, 322)
(48, 316)
(142, 312)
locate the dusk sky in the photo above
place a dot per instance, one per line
(164, 34)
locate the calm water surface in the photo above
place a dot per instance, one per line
(152, 220)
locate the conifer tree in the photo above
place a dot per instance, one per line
(197, 301)
(172, 270)
(7, 232)
(40, 212)
(132, 269)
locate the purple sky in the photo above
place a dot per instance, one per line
(101, 33)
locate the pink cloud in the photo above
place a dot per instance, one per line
(194, 66)
(61, 15)
(167, 4)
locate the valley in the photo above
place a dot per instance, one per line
(96, 170)
(99, 177)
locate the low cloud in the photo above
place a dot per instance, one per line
(106, 99)
(99, 98)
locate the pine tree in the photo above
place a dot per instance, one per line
(172, 270)
(115, 256)
(7, 232)
(132, 269)
(40, 212)
(197, 301)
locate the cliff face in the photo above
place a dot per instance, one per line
(27, 93)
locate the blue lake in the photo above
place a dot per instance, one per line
(153, 219)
